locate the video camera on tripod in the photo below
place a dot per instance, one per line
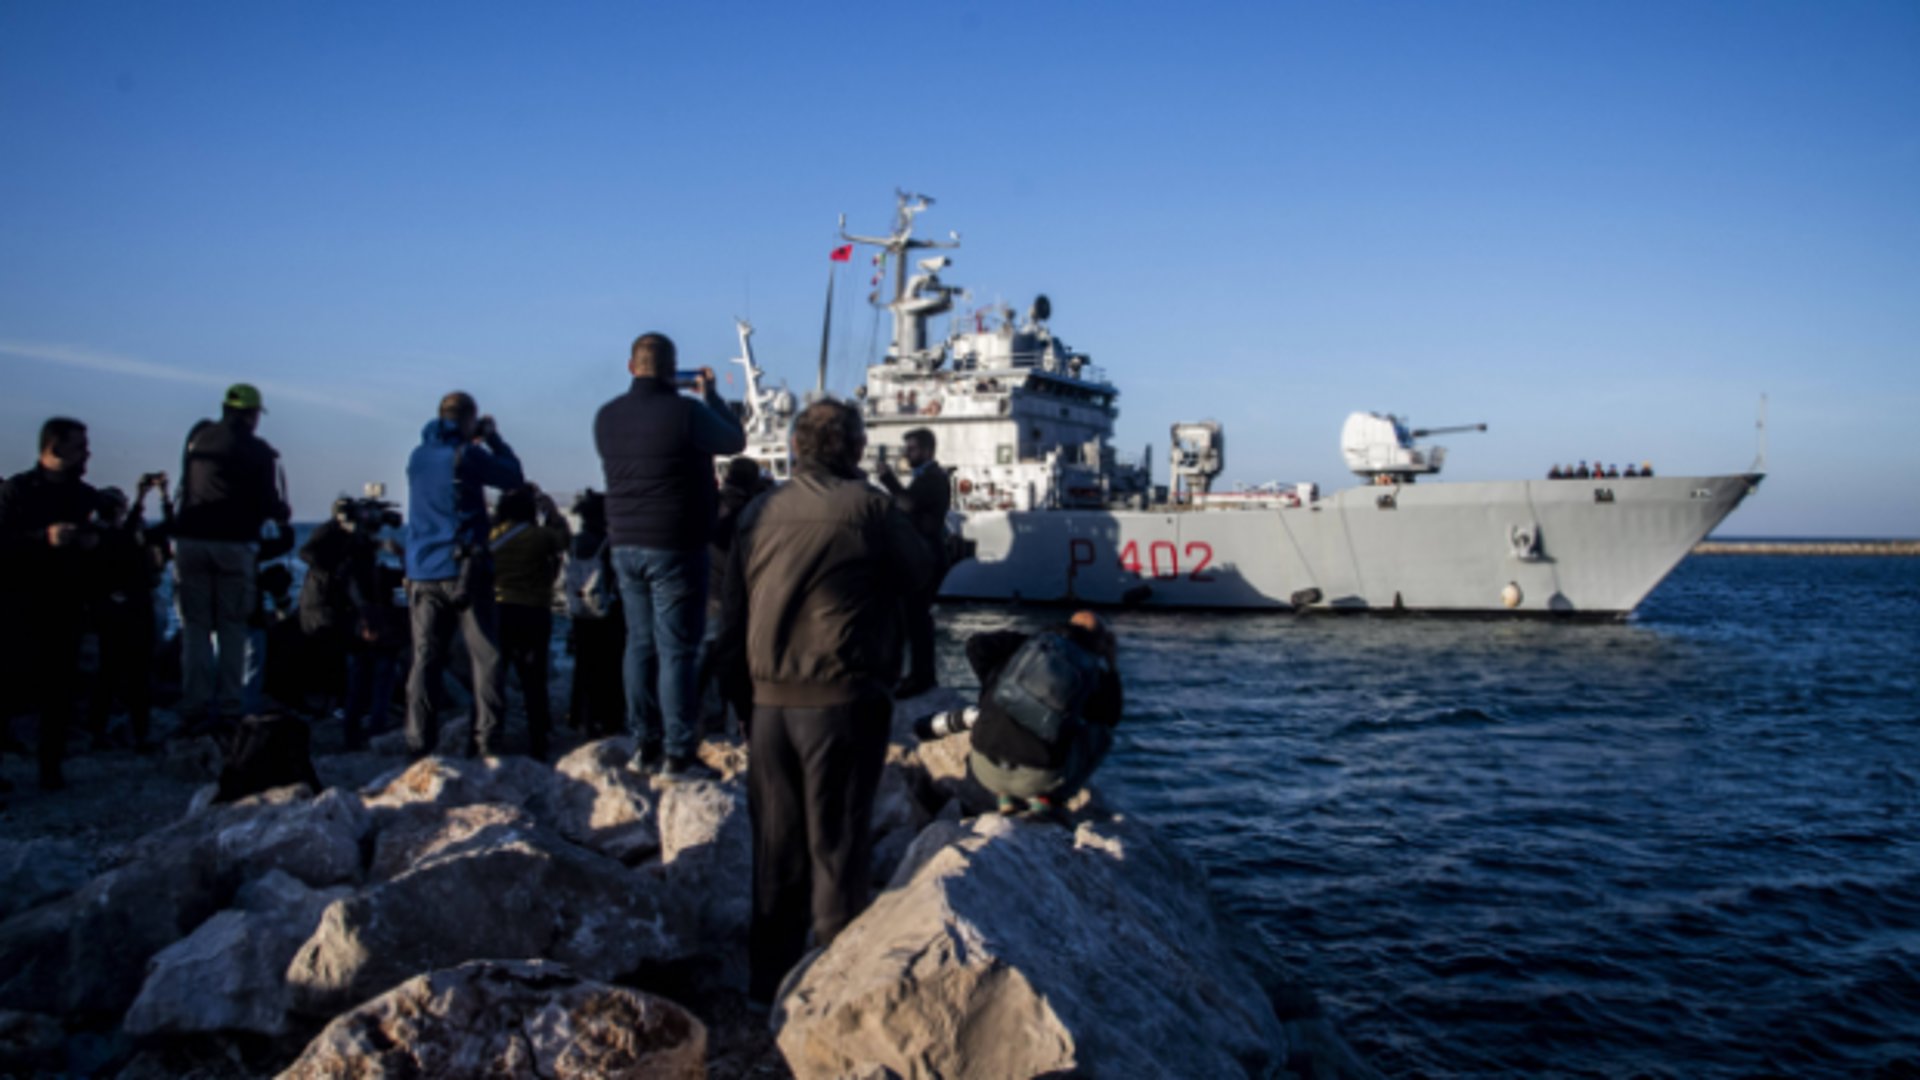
(369, 513)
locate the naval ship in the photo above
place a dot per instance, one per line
(1053, 514)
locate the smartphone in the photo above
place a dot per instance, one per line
(686, 380)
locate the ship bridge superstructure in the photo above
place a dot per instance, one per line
(1022, 421)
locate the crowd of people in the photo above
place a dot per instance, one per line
(802, 611)
(1598, 471)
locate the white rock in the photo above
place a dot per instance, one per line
(507, 890)
(706, 866)
(509, 1020)
(1017, 949)
(605, 805)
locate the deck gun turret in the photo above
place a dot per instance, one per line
(1379, 448)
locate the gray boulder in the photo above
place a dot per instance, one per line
(316, 838)
(412, 833)
(1019, 949)
(33, 872)
(31, 1044)
(706, 864)
(506, 890)
(449, 782)
(505, 1019)
(230, 973)
(87, 953)
(604, 805)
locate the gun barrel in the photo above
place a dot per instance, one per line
(1421, 433)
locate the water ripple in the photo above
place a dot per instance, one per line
(1681, 846)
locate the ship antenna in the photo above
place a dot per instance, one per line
(1760, 437)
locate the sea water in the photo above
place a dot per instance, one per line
(1684, 845)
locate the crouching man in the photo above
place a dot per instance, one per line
(1048, 705)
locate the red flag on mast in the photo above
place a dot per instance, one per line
(843, 253)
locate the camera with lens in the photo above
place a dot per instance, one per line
(370, 513)
(942, 724)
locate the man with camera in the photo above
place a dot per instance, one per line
(47, 535)
(925, 500)
(657, 449)
(1049, 702)
(449, 568)
(229, 488)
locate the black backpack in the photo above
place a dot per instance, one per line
(1046, 683)
(269, 751)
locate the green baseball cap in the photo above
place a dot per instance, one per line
(243, 396)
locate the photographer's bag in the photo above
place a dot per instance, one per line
(1046, 683)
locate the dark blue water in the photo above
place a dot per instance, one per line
(1682, 846)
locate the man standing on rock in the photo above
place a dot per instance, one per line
(47, 529)
(813, 603)
(229, 488)
(657, 448)
(926, 500)
(450, 569)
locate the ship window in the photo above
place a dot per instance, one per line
(1005, 454)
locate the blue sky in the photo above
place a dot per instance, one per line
(1604, 229)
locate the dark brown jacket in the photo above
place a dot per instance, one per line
(818, 570)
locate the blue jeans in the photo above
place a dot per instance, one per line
(664, 594)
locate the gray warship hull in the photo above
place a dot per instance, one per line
(1560, 547)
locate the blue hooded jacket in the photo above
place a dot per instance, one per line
(445, 512)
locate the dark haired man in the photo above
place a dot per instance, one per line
(657, 449)
(229, 488)
(925, 500)
(46, 533)
(816, 574)
(529, 542)
(449, 568)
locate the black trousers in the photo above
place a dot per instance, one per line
(53, 666)
(598, 705)
(919, 613)
(526, 640)
(810, 793)
(126, 664)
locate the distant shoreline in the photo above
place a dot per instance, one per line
(1807, 547)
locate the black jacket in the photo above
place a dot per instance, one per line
(925, 499)
(733, 502)
(814, 587)
(229, 484)
(31, 568)
(997, 736)
(657, 449)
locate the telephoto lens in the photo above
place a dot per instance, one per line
(942, 724)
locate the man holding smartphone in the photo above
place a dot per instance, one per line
(657, 449)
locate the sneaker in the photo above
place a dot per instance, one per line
(679, 770)
(1041, 808)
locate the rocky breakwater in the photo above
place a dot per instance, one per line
(503, 917)
(240, 931)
